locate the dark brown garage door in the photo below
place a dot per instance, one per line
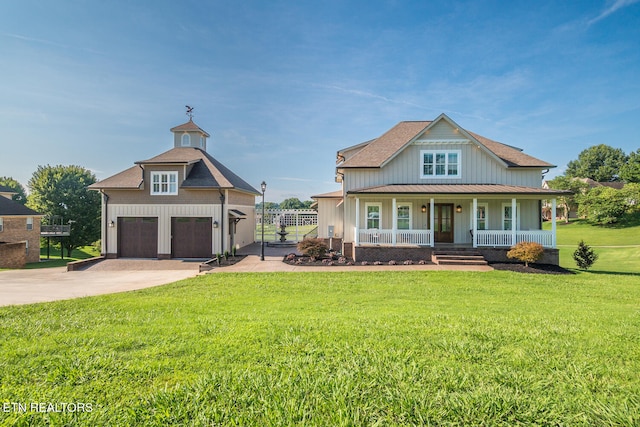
(138, 237)
(191, 237)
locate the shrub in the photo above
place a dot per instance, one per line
(392, 262)
(584, 256)
(526, 252)
(408, 262)
(313, 247)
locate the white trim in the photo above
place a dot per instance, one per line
(502, 218)
(398, 206)
(170, 186)
(441, 141)
(484, 205)
(434, 174)
(366, 213)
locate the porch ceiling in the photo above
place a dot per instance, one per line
(467, 189)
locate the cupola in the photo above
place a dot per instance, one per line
(189, 134)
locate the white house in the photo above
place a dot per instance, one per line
(424, 185)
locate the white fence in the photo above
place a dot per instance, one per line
(386, 237)
(505, 238)
(298, 223)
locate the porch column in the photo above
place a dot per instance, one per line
(432, 208)
(513, 221)
(553, 223)
(356, 238)
(475, 222)
(394, 225)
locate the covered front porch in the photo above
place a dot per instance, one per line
(461, 220)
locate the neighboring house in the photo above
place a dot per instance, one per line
(431, 184)
(182, 203)
(19, 232)
(560, 213)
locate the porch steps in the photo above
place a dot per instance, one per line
(458, 258)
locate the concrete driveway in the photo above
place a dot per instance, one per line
(106, 277)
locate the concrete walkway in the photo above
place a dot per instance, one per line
(273, 263)
(120, 275)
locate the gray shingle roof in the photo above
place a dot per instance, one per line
(10, 208)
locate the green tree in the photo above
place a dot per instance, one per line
(62, 190)
(21, 196)
(292, 203)
(568, 202)
(630, 171)
(584, 256)
(603, 205)
(601, 163)
(267, 205)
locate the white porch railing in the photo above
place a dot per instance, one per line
(505, 237)
(402, 237)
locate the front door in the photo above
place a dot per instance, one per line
(443, 223)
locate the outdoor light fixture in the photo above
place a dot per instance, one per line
(111, 224)
(215, 224)
(458, 208)
(424, 208)
(263, 187)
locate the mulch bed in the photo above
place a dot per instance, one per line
(533, 268)
(227, 262)
(336, 261)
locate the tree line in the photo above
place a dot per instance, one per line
(62, 192)
(613, 194)
(291, 203)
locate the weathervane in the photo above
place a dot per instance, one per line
(189, 112)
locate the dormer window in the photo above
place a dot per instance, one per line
(186, 140)
(440, 164)
(202, 142)
(164, 183)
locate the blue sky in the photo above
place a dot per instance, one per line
(282, 85)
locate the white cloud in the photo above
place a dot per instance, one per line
(614, 7)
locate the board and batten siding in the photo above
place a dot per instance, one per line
(477, 165)
(245, 229)
(164, 213)
(330, 214)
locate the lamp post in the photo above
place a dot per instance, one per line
(263, 187)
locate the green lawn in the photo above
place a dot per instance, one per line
(618, 248)
(55, 260)
(377, 348)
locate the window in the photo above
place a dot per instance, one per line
(1, 224)
(29, 223)
(186, 140)
(164, 183)
(508, 217)
(202, 142)
(373, 214)
(482, 216)
(440, 163)
(404, 217)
